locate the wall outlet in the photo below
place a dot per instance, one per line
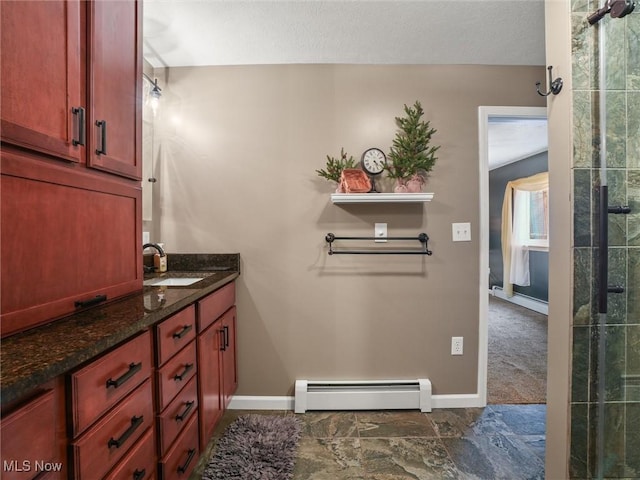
(461, 232)
(456, 345)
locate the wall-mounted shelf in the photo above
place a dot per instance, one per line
(381, 197)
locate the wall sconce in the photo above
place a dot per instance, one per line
(154, 94)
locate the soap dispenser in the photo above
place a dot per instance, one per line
(160, 261)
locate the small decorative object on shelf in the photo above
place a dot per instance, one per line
(354, 180)
(411, 157)
(373, 162)
(335, 166)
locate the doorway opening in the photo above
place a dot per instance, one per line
(513, 329)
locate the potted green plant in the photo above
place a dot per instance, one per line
(335, 166)
(412, 156)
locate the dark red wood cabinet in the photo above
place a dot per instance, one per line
(33, 435)
(71, 214)
(115, 101)
(43, 76)
(216, 341)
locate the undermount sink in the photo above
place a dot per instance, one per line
(171, 282)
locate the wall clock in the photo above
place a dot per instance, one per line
(373, 162)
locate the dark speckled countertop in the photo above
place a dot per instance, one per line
(34, 357)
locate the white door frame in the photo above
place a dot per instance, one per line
(484, 113)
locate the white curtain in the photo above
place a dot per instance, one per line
(515, 257)
(519, 252)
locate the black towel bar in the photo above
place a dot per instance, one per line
(423, 238)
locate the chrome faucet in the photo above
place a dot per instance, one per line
(148, 269)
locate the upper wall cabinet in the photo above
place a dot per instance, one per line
(43, 98)
(115, 80)
(71, 81)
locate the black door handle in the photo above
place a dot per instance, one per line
(183, 468)
(183, 331)
(187, 368)
(133, 369)
(102, 125)
(78, 115)
(181, 416)
(135, 423)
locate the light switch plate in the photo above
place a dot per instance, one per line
(461, 232)
(380, 232)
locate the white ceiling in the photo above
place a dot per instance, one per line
(239, 32)
(512, 139)
(464, 32)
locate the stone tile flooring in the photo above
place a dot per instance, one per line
(496, 442)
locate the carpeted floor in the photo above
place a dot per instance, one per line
(517, 368)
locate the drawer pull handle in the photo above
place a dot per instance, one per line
(102, 125)
(187, 368)
(133, 369)
(180, 417)
(183, 331)
(226, 336)
(183, 468)
(135, 423)
(91, 302)
(139, 474)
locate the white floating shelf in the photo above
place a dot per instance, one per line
(381, 197)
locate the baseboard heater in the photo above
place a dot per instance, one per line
(362, 395)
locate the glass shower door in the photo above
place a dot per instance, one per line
(605, 433)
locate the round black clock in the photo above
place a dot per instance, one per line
(373, 162)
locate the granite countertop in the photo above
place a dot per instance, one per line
(34, 357)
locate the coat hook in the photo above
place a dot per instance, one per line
(555, 85)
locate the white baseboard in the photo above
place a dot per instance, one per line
(522, 300)
(251, 402)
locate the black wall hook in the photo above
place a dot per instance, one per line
(555, 85)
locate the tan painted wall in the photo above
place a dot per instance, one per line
(558, 40)
(239, 147)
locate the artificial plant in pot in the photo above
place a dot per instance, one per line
(412, 156)
(335, 166)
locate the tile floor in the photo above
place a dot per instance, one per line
(496, 442)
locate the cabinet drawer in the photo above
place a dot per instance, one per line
(101, 447)
(140, 463)
(27, 438)
(177, 414)
(214, 305)
(101, 384)
(174, 333)
(175, 374)
(183, 456)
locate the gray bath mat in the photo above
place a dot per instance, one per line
(256, 447)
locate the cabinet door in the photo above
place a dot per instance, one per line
(42, 76)
(115, 87)
(229, 375)
(66, 238)
(209, 346)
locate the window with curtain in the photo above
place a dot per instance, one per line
(525, 226)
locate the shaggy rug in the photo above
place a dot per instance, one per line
(256, 447)
(517, 369)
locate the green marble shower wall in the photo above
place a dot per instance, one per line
(622, 366)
